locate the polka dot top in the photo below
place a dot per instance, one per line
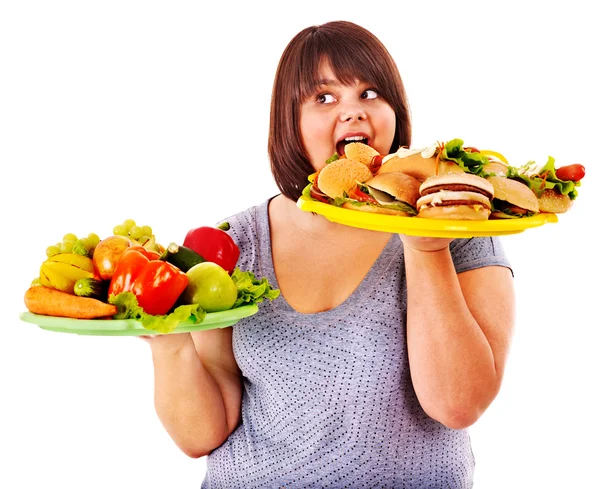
(328, 400)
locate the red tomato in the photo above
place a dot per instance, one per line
(572, 173)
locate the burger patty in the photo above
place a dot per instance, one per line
(502, 205)
(459, 202)
(456, 187)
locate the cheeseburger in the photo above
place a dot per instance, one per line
(455, 196)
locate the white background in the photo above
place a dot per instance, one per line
(158, 111)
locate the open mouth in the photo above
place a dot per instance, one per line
(341, 145)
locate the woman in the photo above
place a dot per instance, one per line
(381, 350)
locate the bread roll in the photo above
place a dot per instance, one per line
(554, 202)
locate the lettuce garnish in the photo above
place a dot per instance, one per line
(470, 162)
(252, 290)
(128, 308)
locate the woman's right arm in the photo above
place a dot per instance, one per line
(197, 388)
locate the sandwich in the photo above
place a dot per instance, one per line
(347, 183)
(419, 163)
(462, 196)
(389, 193)
(555, 189)
(512, 199)
(437, 159)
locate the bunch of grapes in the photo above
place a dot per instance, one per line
(130, 229)
(72, 244)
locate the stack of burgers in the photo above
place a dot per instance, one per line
(443, 181)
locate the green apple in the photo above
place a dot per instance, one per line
(210, 286)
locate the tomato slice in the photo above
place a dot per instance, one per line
(357, 194)
(573, 173)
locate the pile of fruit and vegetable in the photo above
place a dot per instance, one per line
(129, 275)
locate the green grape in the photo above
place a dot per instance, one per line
(36, 281)
(93, 239)
(69, 237)
(128, 223)
(53, 250)
(81, 247)
(143, 239)
(135, 232)
(146, 231)
(67, 246)
(121, 230)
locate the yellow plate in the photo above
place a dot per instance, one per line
(418, 226)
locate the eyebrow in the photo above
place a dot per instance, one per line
(327, 81)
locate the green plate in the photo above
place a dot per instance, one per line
(130, 327)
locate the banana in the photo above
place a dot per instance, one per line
(61, 271)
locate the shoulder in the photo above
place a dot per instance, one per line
(245, 228)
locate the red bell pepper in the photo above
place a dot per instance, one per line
(156, 284)
(215, 245)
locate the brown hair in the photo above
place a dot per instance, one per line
(352, 52)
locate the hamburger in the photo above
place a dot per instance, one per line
(512, 199)
(461, 196)
(389, 193)
(335, 179)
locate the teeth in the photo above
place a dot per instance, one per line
(355, 138)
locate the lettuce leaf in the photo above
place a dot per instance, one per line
(333, 158)
(128, 308)
(252, 290)
(469, 162)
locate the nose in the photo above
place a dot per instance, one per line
(352, 112)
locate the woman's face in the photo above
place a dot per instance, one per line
(336, 112)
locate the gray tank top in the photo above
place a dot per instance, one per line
(328, 400)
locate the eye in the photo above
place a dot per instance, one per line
(369, 94)
(325, 98)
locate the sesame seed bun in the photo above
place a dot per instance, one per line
(341, 175)
(554, 202)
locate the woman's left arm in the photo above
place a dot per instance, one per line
(459, 328)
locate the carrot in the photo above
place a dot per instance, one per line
(51, 302)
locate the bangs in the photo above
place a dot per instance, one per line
(349, 59)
